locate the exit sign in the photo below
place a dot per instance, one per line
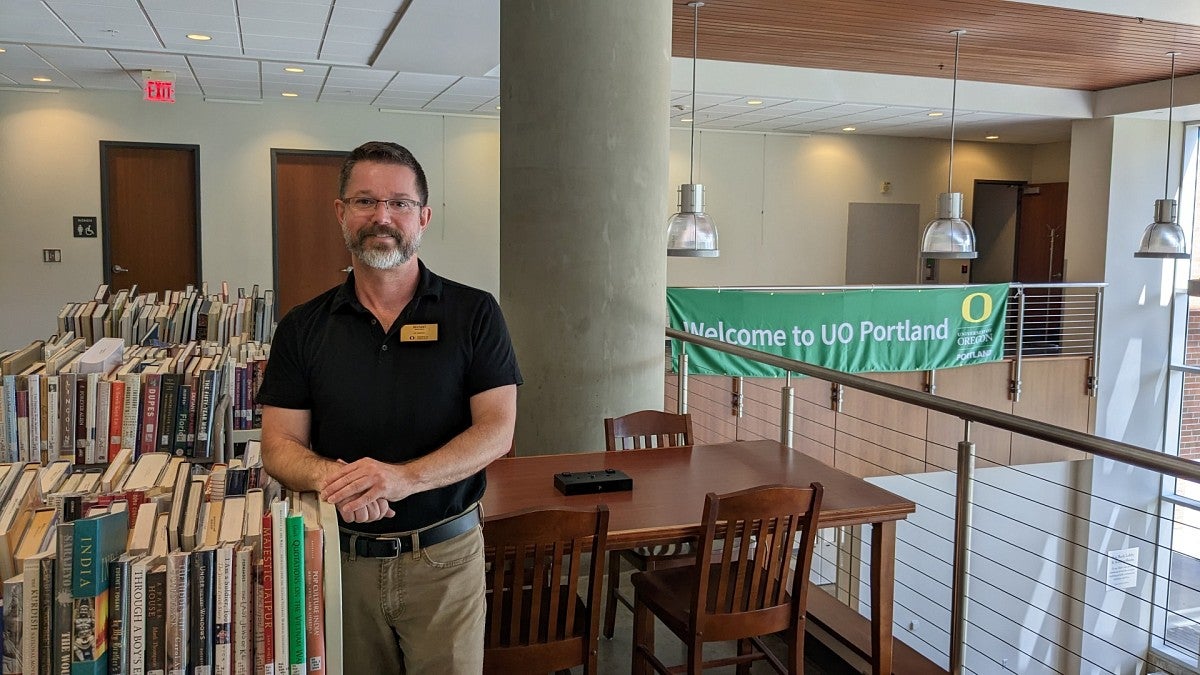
(161, 91)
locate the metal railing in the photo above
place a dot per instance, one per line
(1063, 574)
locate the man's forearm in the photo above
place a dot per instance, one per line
(465, 455)
(295, 466)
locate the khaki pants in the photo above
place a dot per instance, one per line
(420, 612)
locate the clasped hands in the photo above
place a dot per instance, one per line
(362, 489)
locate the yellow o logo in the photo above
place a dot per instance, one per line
(966, 307)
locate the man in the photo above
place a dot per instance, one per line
(390, 394)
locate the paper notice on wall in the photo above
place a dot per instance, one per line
(1123, 568)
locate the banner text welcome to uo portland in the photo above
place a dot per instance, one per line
(874, 330)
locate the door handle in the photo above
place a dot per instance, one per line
(117, 269)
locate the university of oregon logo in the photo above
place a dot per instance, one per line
(968, 305)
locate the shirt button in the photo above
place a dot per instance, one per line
(383, 348)
(374, 322)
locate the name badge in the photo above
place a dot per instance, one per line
(419, 332)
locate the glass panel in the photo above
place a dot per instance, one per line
(1183, 587)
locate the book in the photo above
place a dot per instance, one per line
(97, 541)
(297, 656)
(243, 627)
(177, 619)
(156, 617)
(63, 625)
(120, 576)
(314, 599)
(265, 607)
(201, 605)
(14, 624)
(222, 615)
(279, 514)
(138, 604)
(36, 575)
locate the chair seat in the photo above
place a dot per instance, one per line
(664, 550)
(669, 592)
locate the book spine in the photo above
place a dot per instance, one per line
(63, 606)
(129, 414)
(137, 618)
(29, 649)
(182, 415)
(204, 415)
(150, 386)
(46, 624)
(66, 416)
(23, 426)
(82, 407)
(53, 426)
(314, 600)
(116, 417)
(177, 613)
(295, 591)
(118, 625)
(265, 660)
(223, 612)
(242, 624)
(169, 399)
(14, 623)
(200, 636)
(98, 420)
(35, 419)
(10, 415)
(156, 621)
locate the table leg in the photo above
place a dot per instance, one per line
(883, 582)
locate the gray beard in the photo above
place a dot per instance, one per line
(381, 258)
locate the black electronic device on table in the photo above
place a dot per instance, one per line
(591, 482)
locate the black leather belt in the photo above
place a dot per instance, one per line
(390, 546)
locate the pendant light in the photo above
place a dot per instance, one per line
(691, 232)
(1164, 237)
(949, 235)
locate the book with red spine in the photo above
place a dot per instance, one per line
(116, 419)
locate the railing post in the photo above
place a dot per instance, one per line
(1014, 384)
(836, 395)
(787, 407)
(1093, 383)
(681, 382)
(736, 404)
(962, 550)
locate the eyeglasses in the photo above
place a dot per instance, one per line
(393, 205)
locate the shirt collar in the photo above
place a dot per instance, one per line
(429, 285)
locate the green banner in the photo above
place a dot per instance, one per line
(873, 330)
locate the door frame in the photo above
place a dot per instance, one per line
(276, 153)
(106, 257)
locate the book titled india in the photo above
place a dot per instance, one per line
(98, 540)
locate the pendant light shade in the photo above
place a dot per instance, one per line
(949, 235)
(692, 233)
(1164, 238)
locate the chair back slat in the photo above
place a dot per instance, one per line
(750, 534)
(647, 429)
(534, 560)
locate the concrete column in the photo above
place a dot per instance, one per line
(584, 197)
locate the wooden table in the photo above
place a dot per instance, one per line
(669, 485)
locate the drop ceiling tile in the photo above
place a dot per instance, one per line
(228, 7)
(77, 57)
(360, 75)
(421, 82)
(148, 61)
(282, 29)
(167, 21)
(368, 36)
(347, 52)
(401, 101)
(315, 12)
(44, 27)
(354, 17)
(300, 48)
(126, 13)
(211, 64)
(476, 86)
(125, 35)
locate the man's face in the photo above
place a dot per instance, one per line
(382, 237)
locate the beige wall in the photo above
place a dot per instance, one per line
(780, 202)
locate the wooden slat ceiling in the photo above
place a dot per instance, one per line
(1007, 42)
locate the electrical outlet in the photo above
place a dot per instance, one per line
(52, 255)
(885, 187)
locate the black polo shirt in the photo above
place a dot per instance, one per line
(372, 394)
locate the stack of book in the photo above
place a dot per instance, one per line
(66, 399)
(175, 316)
(174, 567)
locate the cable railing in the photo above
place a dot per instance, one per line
(1035, 548)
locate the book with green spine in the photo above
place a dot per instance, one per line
(297, 661)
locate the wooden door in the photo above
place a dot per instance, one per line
(1041, 234)
(310, 254)
(151, 209)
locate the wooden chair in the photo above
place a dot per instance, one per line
(752, 590)
(643, 429)
(536, 620)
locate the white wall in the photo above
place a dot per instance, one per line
(1051, 163)
(51, 173)
(781, 202)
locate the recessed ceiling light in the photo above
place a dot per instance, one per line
(497, 107)
(289, 94)
(754, 101)
(293, 69)
(687, 119)
(936, 114)
(849, 128)
(991, 137)
(2, 50)
(41, 79)
(199, 37)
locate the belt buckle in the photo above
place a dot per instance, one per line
(395, 543)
